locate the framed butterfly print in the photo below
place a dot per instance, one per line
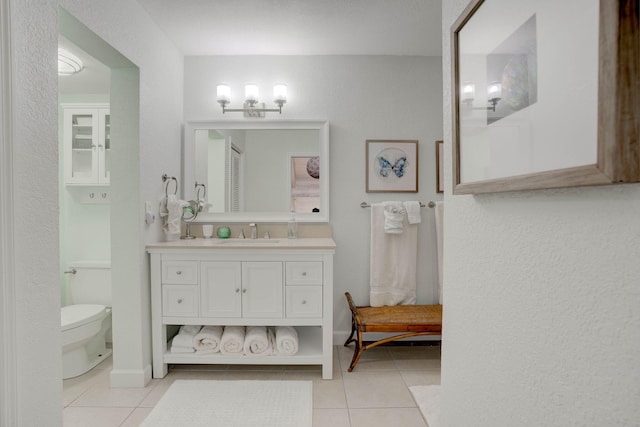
(392, 166)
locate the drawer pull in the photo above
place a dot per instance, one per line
(304, 273)
(244, 291)
(180, 301)
(237, 290)
(304, 301)
(179, 272)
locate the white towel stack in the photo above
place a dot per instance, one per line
(207, 341)
(183, 341)
(232, 342)
(286, 340)
(258, 341)
(236, 340)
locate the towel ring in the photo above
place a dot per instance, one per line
(167, 180)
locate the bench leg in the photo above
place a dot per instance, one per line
(357, 352)
(353, 331)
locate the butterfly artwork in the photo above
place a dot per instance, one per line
(397, 167)
(392, 166)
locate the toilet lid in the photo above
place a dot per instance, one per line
(76, 315)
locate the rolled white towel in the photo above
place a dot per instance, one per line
(232, 341)
(257, 342)
(185, 335)
(286, 340)
(208, 340)
(180, 349)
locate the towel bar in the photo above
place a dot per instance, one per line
(422, 205)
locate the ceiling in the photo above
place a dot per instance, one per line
(301, 27)
(282, 27)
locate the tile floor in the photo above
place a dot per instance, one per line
(376, 394)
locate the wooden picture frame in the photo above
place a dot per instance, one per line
(578, 125)
(391, 166)
(439, 166)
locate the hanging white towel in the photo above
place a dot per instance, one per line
(232, 341)
(392, 262)
(413, 212)
(286, 340)
(393, 217)
(207, 341)
(171, 213)
(439, 245)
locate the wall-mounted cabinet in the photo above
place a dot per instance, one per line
(87, 144)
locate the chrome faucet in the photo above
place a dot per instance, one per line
(254, 230)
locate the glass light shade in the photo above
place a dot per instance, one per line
(68, 63)
(223, 93)
(251, 93)
(494, 90)
(468, 91)
(280, 93)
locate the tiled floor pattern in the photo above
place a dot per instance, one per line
(376, 394)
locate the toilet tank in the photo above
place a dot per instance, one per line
(91, 283)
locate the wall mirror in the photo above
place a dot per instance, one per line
(257, 171)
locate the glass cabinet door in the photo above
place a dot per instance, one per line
(87, 146)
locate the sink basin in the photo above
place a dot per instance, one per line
(249, 241)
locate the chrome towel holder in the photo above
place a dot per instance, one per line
(167, 180)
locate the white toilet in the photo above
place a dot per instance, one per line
(86, 322)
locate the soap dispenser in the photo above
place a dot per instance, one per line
(292, 229)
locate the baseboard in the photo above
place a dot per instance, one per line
(130, 378)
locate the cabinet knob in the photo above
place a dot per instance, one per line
(304, 301)
(100, 146)
(180, 301)
(179, 272)
(304, 273)
(244, 291)
(237, 290)
(91, 195)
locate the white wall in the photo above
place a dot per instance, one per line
(541, 326)
(362, 97)
(125, 26)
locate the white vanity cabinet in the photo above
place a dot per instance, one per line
(226, 283)
(87, 144)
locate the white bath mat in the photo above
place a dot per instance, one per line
(428, 399)
(210, 403)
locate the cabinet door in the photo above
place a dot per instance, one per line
(262, 284)
(81, 138)
(103, 167)
(220, 289)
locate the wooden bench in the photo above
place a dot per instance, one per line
(409, 320)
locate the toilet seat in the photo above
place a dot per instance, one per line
(73, 316)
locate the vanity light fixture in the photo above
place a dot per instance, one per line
(68, 63)
(251, 95)
(494, 94)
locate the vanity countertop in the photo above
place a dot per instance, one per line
(275, 243)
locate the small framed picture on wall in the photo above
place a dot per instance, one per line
(392, 166)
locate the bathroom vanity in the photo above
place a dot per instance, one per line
(244, 282)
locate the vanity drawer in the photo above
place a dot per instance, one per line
(303, 301)
(304, 273)
(180, 272)
(180, 300)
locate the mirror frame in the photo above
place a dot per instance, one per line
(188, 168)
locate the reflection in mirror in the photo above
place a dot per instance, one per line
(258, 171)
